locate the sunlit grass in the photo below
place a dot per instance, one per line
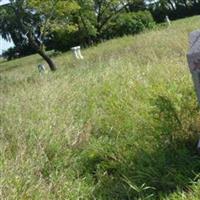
(120, 124)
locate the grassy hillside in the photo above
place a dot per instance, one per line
(121, 124)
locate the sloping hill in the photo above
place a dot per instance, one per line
(120, 124)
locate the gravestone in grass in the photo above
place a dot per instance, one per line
(194, 60)
(167, 20)
(193, 57)
(77, 52)
(41, 69)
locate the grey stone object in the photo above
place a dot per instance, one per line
(41, 69)
(193, 57)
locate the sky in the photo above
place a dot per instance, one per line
(4, 44)
(3, 2)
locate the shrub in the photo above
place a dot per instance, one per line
(17, 52)
(130, 23)
(64, 38)
(124, 24)
(10, 54)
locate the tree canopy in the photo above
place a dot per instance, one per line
(30, 21)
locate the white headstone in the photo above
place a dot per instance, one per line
(77, 52)
(167, 20)
(193, 57)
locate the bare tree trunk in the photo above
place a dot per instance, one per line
(50, 62)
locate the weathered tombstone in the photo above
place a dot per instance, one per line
(194, 60)
(77, 52)
(41, 69)
(193, 57)
(167, 20)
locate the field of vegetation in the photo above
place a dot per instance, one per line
(121, 124)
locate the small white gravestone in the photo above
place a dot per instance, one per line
(193, 57)
(77, 52)
(41, 69)
(167, 20)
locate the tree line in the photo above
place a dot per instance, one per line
(35, 26)
(175, 9)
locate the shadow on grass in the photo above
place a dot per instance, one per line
(148, 175)
(162, 161)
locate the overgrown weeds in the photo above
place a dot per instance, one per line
(121, 124)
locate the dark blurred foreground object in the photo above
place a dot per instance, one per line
(193, 57)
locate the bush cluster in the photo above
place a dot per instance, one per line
(122, 24)
(16, 52)
(130, 23)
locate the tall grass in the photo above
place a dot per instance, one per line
(121, 124)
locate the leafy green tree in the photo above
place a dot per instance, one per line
(106, 10)
(97, 14)
(174, 8)
(85, 18)
(93, 22)
(134, 5)
(30, 21)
